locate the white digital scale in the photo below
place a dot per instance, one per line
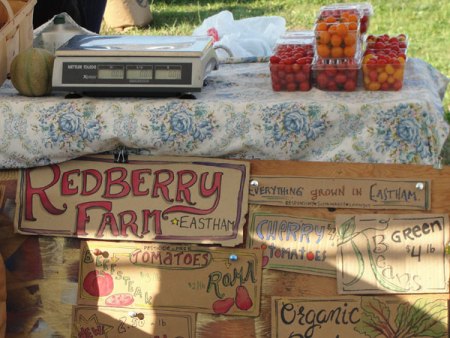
(133, 65)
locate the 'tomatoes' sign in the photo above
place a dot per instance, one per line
(147, 199)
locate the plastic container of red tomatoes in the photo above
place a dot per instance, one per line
(332, 74)
(387, 41)
(290, 65)
(367, 13)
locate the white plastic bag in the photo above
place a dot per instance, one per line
(250, 37)
(72, 28)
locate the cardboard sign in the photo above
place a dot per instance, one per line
(392, 253)
(412, 316)
(147, 199)
(289, 243)
(320, 192)
(177, 277)
(102, 322)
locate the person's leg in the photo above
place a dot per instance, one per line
(92, 11)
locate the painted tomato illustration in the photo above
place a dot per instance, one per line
(222, 306)
(98, 284)
(243, 299)
(119, 299)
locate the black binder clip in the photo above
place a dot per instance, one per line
(121, 155)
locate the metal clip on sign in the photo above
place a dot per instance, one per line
(121, 155)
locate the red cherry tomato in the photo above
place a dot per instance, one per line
(274, 59)
(322, 80)
(350, 85)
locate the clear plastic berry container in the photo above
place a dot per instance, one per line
(383, 70)
(340, 11)
(290, 65)
(336, 74)
(367, 13)
(387, 41)
(337, 31)
(364, 9)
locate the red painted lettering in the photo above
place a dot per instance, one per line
(67, 183)
(137, 180)
(162, 186)
(98, 179)
(183, 188)
(147, 214)
(120, 182)
(40, 192)
(130, 224)
(83, 218)
(108, 220)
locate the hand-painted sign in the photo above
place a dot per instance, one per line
(369, 247)
(322, 192)
(105, 322)
(147, 199)
(289, 243)
(343, 317)
(176, 277)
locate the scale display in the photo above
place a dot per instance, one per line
(133, 64)
(110, 73)
(126, 73)
(168, 73)
(140, 72)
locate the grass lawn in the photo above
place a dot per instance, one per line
(424, 21)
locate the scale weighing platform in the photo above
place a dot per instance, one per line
(124, 65)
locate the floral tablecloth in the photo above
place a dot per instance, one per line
(237, 115)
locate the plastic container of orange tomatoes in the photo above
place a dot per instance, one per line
(337, 32)
(364, 10)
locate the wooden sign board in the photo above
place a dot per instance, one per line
(193, 200)
(290, 243)
(103, 322)
(176, 277)
(320, 192)
(369, 247)
(41, 296)
(352, 316)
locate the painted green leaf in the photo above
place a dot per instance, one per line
(367, 329)
(361, 266)
(424, 318)
(347, 229)
(374, 318)
(402, 318)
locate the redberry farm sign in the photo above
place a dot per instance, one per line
(185, 200)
